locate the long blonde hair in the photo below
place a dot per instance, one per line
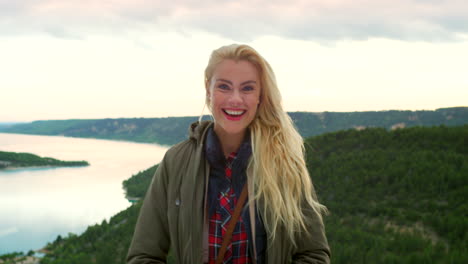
(277, 167)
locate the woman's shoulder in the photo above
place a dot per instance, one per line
(180, 150)
(183, 150)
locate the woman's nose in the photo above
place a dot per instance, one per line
(236, 96)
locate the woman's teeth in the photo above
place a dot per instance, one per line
(234, 113)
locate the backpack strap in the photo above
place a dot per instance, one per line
(232, 224)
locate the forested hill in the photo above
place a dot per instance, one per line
(15, 159)
(394, 197)
(168, 131)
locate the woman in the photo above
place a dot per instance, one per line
(251, 147)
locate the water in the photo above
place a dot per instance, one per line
(38, 204)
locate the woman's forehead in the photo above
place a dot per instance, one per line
(235, 69)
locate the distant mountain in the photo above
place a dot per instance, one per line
(170, 130)
(311, 124)
(165, 131)
(394, 197)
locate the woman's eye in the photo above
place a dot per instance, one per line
(223, 87)
(248, 88)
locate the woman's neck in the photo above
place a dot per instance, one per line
(229, 142)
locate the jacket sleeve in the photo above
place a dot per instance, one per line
(312, 246)
(151, 240)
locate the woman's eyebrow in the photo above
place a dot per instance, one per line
(227, 81)
(224, 80)
(246, 82)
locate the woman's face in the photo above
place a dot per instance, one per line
(234, 93)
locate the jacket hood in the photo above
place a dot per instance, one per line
(198, 129)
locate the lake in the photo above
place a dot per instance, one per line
(38, 204)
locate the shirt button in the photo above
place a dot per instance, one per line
(177, 202)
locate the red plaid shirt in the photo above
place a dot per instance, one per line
(237, 251)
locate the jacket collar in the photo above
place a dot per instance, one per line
(197, 130)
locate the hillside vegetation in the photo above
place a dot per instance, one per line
(136, 185)
(394, 197)
(14, 159)
(170, 130)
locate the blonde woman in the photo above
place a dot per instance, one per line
(238, 190)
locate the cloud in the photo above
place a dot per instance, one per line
(413, 20)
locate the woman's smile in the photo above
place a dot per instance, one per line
(234, 115)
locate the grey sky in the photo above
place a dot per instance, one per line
(145, 58)
(414, 20)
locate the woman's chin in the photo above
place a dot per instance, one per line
(230, 130)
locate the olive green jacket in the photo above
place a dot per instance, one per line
(172, 214)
